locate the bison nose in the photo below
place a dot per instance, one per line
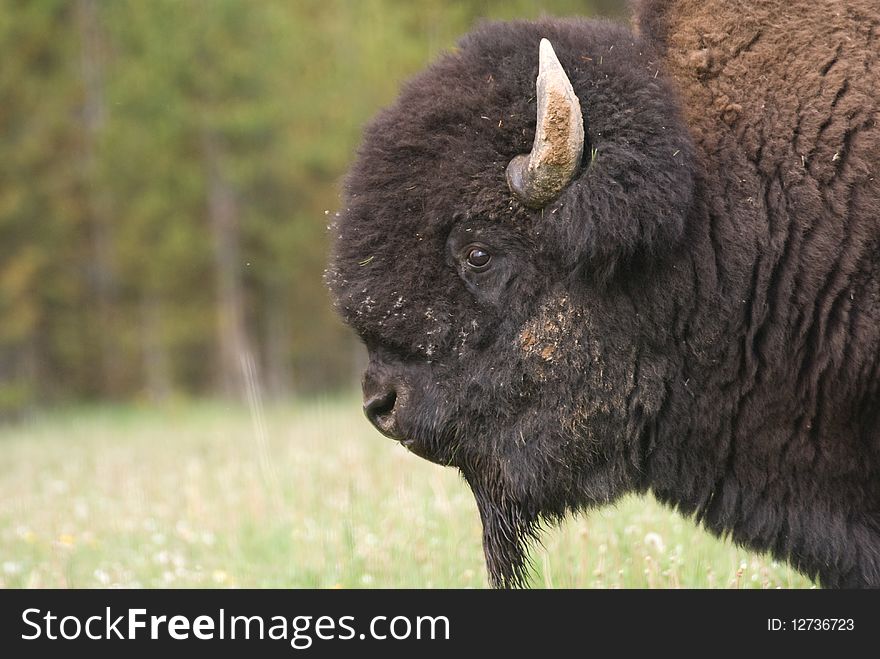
(379, 408)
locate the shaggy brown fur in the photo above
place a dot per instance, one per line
(697, 314)
(782, 100)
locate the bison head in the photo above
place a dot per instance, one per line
(501, 252)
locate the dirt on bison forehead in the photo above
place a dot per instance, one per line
(542, 336)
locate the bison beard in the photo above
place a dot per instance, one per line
(509, 527)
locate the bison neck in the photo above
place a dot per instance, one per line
(772, 428)
(783, 502)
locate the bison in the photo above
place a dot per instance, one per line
(656, 269)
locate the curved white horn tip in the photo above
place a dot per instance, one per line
(547, 57)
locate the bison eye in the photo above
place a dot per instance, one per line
(478, 259)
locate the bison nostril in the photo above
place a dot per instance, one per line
(380, 410)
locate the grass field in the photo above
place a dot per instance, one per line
(306, 495)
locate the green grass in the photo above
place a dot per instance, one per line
(305, 495)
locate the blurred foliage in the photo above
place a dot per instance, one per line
(165, 170)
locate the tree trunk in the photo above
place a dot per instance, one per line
(278, 340)
(223, 218)
(157, 371)
(102, 281)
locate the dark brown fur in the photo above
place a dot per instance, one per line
(697, 315)
(782, 101)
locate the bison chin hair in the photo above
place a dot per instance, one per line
(510, 528)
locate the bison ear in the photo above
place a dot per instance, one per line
(538, 177)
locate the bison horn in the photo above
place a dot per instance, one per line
(538, 177)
